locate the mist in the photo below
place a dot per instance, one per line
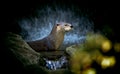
(39, 26)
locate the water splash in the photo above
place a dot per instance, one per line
(56, 64)
(35, 28)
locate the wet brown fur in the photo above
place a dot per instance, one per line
(50, 42)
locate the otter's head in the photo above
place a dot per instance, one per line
(64, 26)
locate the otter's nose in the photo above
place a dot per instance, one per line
(71, 26)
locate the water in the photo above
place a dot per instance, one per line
(56, 64)
(35, 28)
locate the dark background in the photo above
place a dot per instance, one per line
(102, 13)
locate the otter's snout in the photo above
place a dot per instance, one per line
(71, 26)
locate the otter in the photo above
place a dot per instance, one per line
(54, 40)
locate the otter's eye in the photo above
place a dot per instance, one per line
(65, 24)
(58, 24)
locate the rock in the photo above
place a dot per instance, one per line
(32, 61)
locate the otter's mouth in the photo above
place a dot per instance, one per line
(69, 29)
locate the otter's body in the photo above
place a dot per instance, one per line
(53, 40)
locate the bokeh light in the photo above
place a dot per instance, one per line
(83, 55)
(108, 62)
(89, 71)
(117, 47)
(106, 46)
